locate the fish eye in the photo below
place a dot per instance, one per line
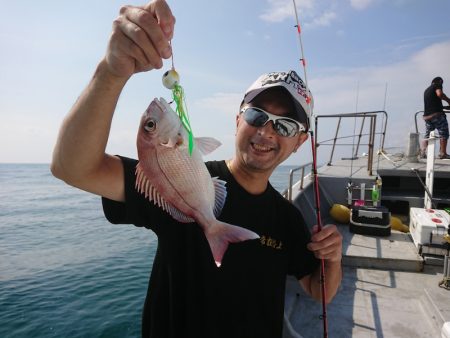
(150, 125)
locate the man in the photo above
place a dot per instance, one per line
(435, 117)
(188, 295)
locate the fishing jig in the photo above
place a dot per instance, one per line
(171, 80)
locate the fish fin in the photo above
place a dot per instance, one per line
(165, 105)
(144, 187)
(221, 195)
(178, 215)
(207, 145)
(221, 234)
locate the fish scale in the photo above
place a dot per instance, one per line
(186, 177)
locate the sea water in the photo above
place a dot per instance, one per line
(64, 270)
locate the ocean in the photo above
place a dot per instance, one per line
(64, 270)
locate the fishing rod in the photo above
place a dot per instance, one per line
(314, 170)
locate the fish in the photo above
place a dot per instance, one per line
(179, 182)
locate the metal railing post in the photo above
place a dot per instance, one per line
(334, 142)
(373, 122)
(302, 178)
(384, 130)
(359, 138)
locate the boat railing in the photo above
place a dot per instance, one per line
(421, 111)
(333, 142)
(371, 133)
(291, 178)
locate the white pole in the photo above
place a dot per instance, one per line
(363, 192)
(430, 170)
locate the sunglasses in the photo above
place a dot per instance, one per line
(283, 126)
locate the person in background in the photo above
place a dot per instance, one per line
(188, 295)
(435, 117)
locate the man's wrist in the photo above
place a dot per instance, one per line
(106, 76)
(333, 263)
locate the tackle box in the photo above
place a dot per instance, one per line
(428, 229)
(368, 220)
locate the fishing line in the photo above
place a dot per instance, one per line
(314, 170)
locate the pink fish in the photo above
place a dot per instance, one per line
(180, 183)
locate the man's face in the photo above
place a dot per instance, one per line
(261, 148)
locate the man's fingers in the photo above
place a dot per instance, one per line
(148, 32)
(326, 231)
(140, 38)
(122, 46)
(327, 243)
(142, 42)
(142, 28)
(163, 15)
(333, 240)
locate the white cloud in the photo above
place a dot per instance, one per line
(361, 4)
(249, 33)
(280, 10)
(340, 33)
(324, 20)
(313, 14)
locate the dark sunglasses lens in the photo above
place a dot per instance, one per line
(286, 128)
(255, 117)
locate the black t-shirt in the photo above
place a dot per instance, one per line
(188, 296)
(432, 103)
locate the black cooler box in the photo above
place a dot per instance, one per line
(367, 220)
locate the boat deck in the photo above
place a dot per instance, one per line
(373, 303)
(388, 290)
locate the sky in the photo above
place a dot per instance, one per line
(362, 55)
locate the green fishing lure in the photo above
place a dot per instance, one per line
(171, 80)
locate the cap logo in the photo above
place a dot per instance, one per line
(291, 79)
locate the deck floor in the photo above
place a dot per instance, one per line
(394, 252)
(373, 303)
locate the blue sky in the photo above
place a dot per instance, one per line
(49, 50)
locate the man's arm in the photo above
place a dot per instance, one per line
(327, 245)
(440, 94)
(79, 156)
(139, 41)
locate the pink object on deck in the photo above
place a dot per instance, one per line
(359, 203)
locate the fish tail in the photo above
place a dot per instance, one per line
(221, 234)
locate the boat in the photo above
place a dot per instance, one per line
(393, 285)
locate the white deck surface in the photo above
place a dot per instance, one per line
(374, 303)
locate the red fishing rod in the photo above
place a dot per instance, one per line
(312, 122)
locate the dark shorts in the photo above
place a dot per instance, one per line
(440, 123)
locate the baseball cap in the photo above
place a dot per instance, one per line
(292, 83)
